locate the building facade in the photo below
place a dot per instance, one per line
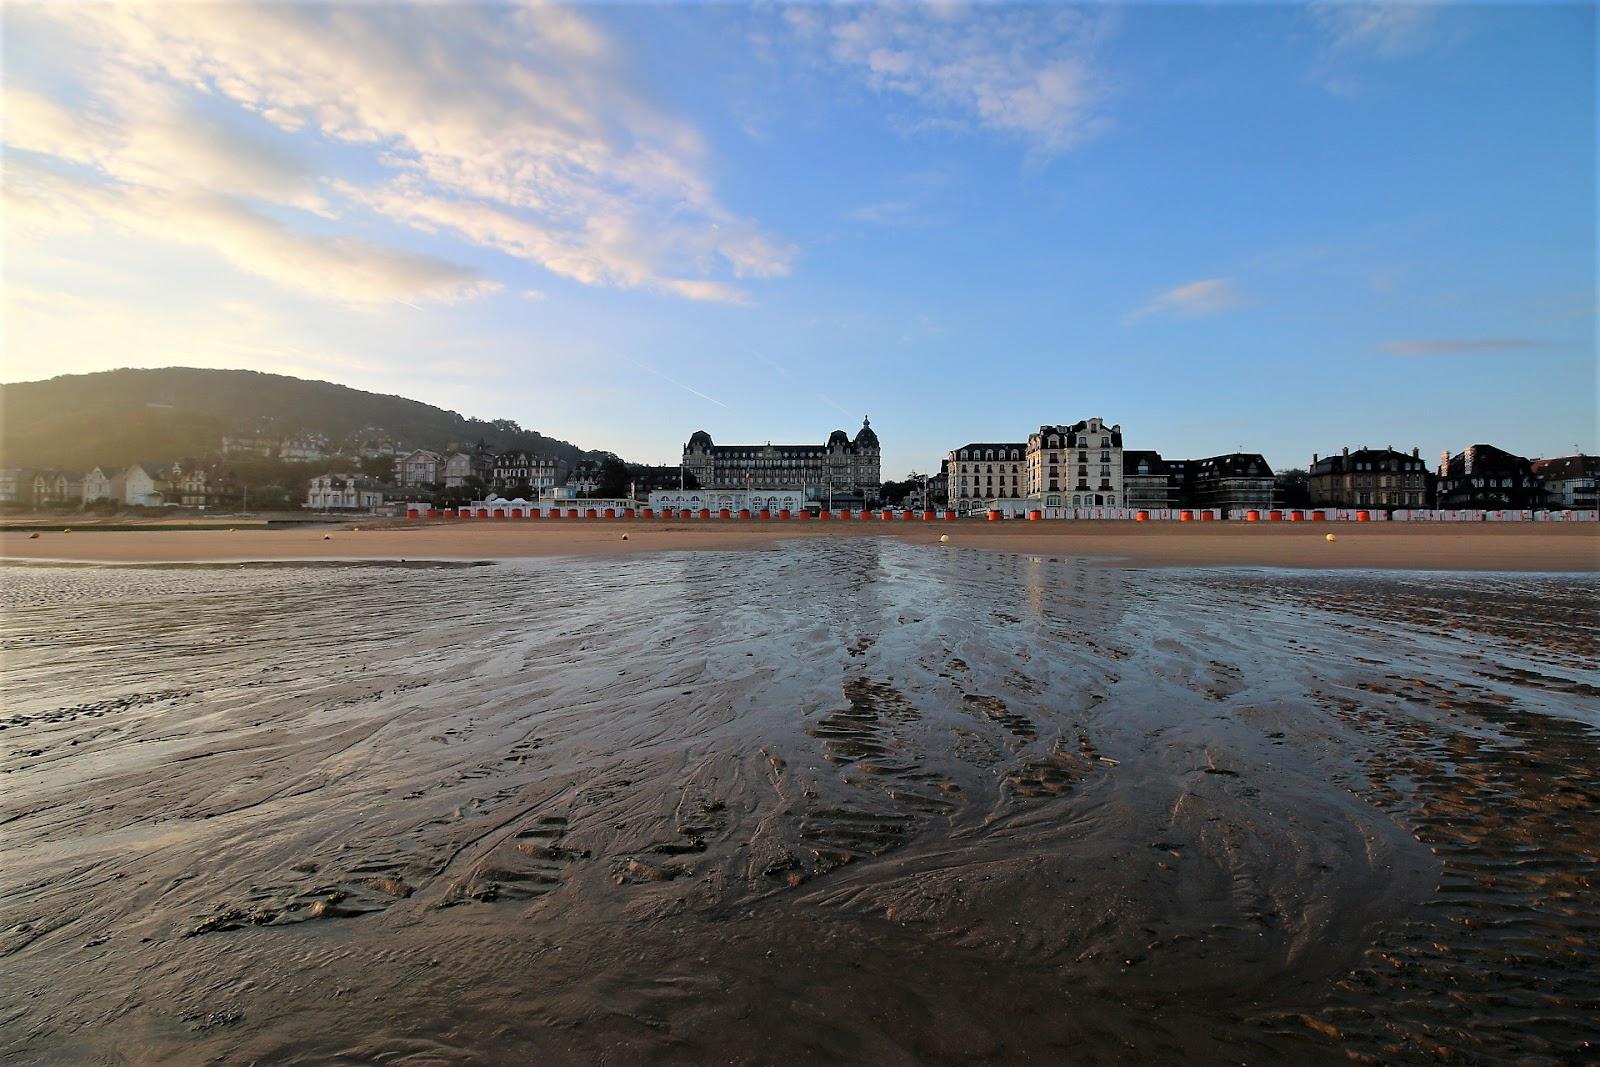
(585, 477)
(144, 485)
(16, 485)
(1369, 477)
(1569, 481)
(844, 469)
(343, 492)
(1233, 480)
(984, 471)
(102, 485)
(522, 470)
(190, 484)
(1077, 466)
(417, 468)
(734, 500)
(53, 488)
(303, 448)
(1483, 476)
(1150, 482)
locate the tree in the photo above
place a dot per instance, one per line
(896, 492)
(1294, 488)
(613, 478)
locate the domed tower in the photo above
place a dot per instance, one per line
(698, 469)
(865, 437)
(838, 439)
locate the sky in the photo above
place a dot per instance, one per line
(1269, 228)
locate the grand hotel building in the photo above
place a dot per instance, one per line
(844, 470)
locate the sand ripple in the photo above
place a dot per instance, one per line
(853, 799)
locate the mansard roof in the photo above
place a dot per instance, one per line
(1233, 465)
(838, 439)
(1021, 446)
(1377, 459)
(1132, 459)
(1485, 458)
(1563, 468)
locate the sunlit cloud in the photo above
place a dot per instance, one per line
(508, 128)
(1206, 296)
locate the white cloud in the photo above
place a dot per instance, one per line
(1381, 26)
(1022, 71)
(1205, 296)
(513, 128)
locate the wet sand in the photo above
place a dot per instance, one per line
(1560, 547)
(853, 798)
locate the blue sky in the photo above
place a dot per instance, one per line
(1277, 228)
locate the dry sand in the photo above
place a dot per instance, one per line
(1554, 547)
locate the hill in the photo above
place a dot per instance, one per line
(79, 421)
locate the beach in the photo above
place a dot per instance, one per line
(1510, 546)
(850, 797)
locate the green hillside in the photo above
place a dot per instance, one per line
(79, 421)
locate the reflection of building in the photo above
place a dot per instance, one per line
(1369, 477)
(984, 471)
(1077, 466)
(844, 470)
(1569, 481)
(1483, 476)
(343, 492)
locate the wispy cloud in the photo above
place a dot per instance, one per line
(1457, 346)
(1384, 27)
(513, 128)
(1022, 71)
(1205, 296)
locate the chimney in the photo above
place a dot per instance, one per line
(1416, 453)
(1346, 451)
(1466, 460)
(1313, 459)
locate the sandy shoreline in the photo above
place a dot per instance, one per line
(1561, 548)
